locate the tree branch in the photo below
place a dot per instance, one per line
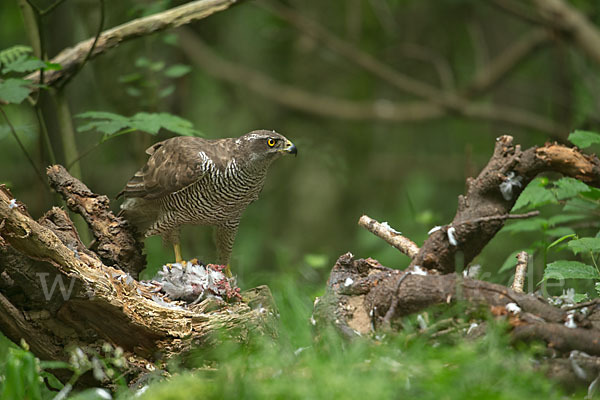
(501, 66)
(383, 231)
(70, 59)
(473, 227)
(384, 110)
(564, 17)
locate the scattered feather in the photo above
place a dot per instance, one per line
(434, 229)
(421, 321)
(507, 188)
(387, 226)
(472, 271)
(13, 204)
(513, 308)
(451, 237)
(570, 322)
(417, 270)
(580, 372)
(349, 281)
(471, 327)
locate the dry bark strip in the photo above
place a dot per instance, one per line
(102, 303)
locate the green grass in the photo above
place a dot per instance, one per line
(294, 366)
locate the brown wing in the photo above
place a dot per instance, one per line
(174, 164)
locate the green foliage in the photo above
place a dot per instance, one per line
(18, 59)
(111, 124)
(535, 195)
(396, 367)
(583, 139)
(576, 202)
(15, 90)
(20, 373)
(153, 80)
(564, 269)
(14, 53)
(586, 244)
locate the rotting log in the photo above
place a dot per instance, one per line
(57, 294)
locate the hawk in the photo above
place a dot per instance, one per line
(191, 180)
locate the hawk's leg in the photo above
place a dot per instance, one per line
(177, 249)
(224, 238)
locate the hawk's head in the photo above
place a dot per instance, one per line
(265, 145)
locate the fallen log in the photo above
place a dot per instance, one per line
(57, 295)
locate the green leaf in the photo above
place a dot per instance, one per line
(111, 124)
(12, 53)
(535, 195)
(583, 139)
(569, 187)
(597, 287)
(166, 91)
(15, 90)
(561, 239)
(23, 64)
(130, 77)
(560, 231)
(316, 260)
(177, 70)
(593, 194)
(527, 225)
(578, 205)
(579, 297)
(564, 269)
(586, 244)
(564, 218)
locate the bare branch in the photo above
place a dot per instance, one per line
(71, 58)
(383, 231)
(560, 15)
(385, 110)
(520, 272)
(486, 78)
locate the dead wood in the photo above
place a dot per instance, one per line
(477, 218)
(56, 294)
(114, 243)
(364, 297)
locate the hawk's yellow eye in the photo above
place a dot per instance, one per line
(271, 142)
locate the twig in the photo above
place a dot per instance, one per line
(23, 149)
(517, 9)
(92, 48)
(520, 272)
(505, 62)
(501, 217)
(71, 58)
(383, 231)
(561, 15)
(394, 304)
(581, 305)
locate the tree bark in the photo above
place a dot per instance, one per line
(99, 301)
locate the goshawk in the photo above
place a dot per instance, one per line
(190, 180)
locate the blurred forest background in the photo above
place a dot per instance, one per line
(360, 86)
(391, 103)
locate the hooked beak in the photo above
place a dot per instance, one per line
(290, 148)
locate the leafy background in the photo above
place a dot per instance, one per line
(408, 174)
